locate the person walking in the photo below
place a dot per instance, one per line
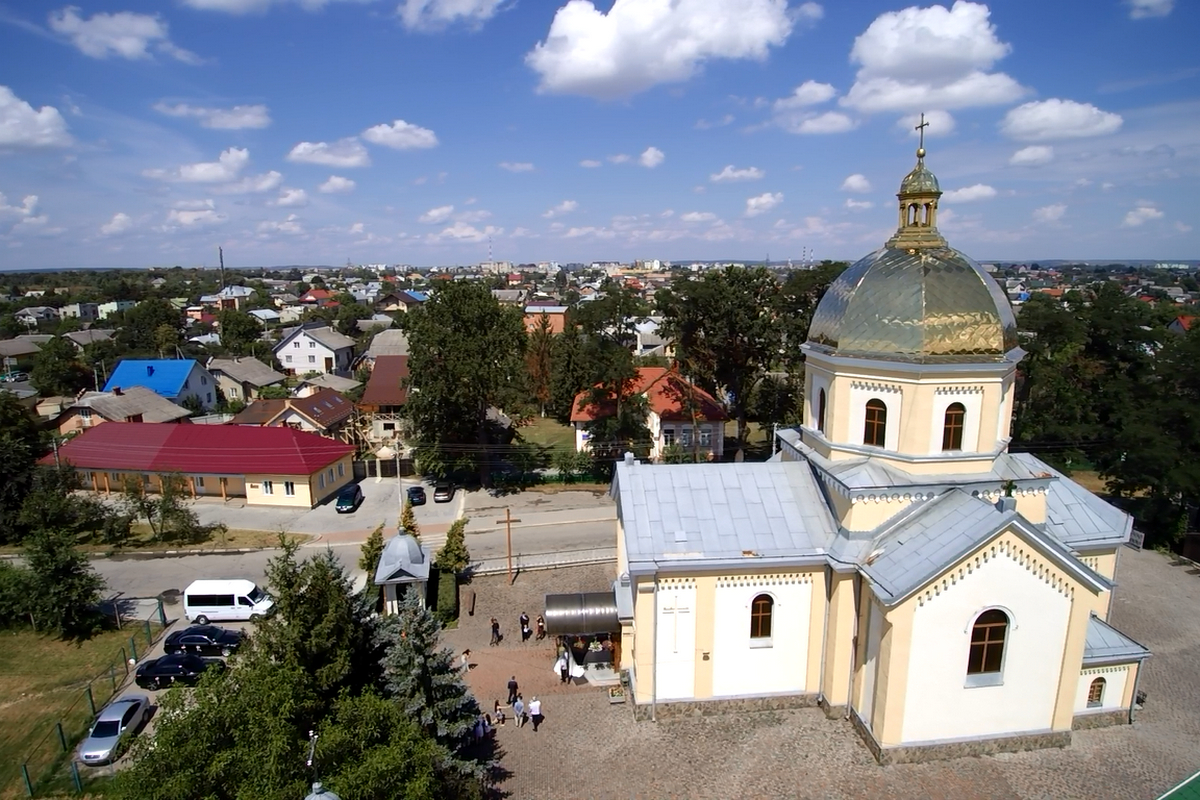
(564, 668)
(498, 710)
(535, 713)
(525, 631)
(512, 690)
(465, 660)
(495, 632)
(519, 711)
(541, 628)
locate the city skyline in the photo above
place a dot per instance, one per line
(321, 131)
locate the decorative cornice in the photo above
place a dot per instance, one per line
(762, 581)
(872, 386)
(958, 390)
(1014, 551)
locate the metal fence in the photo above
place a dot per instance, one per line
(48, 767)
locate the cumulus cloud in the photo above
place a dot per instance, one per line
(941, 123)
(968, 194)
(120, 223)
(337, 185)
(342, 153)
(619, 158)
(731, 174)
(1058, 119)
(1050, 213)
(434, 15)
(253, 184)
(856, 183)
(225, 169)
(762, 203)
(699, 216)
(1032, 156)
(932, 57)
(651, 157)
(401, 135)
(809, 93)
(1147, 9)
(24, 211)
(435, 216)
(637, 45)
(290, 225)
(254, 6)
(291, 198)
(858, 205)
(229, 119)
(21, 125)
(565, 207)
(589, 163)
(194, 218)
(1142, 213)
(123, 34)
(516, 166)
(462, 232)
(794, 115)
(829, 122)
(703, 124)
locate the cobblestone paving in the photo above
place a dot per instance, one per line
(591, 750)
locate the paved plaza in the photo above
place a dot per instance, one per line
(589, 749)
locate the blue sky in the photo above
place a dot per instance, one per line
(320, 131)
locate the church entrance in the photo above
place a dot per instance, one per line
(675, 673)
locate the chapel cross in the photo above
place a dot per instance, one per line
(921, 130)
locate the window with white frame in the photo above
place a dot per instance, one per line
(289, 359)
(341, 470)
(296, 345)
(312, 344)
(289, 488)
(312, 359)
(321, 480)
(199, 481)
(268, 487)
(668, 437)
(231, 391)
(685, 437)
(706, 437)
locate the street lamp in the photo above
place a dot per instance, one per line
(319, 792)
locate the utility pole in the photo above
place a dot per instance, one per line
(221, 258)
(508, 521)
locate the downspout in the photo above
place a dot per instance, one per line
(654, 672)
(825, 628)
(853, 645)
(1133, 700)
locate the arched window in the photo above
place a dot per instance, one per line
(821, 411)
(987, 643)
(952, 426)
(875, 426)
(1096, 693)
(760, 616)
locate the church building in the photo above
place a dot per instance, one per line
(894, 563)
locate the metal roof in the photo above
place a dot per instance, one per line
(132, 402)
(403, 561)
(1076, 516)
(246, 370)
(164, 376)
(1105, 644)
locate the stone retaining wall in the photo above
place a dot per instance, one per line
(733, 705)
(918, 754)
(1100, 719)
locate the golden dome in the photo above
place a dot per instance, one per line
(920, 180)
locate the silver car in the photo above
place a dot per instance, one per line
(118, 722)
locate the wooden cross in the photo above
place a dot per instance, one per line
(921, 130)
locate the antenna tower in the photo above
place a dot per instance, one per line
(221, 258)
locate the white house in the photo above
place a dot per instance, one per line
(178, 380)
(106, 310)
(315, 347)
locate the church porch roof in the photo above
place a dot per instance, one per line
(403, 561)
(1107, 645)
(1076, 516)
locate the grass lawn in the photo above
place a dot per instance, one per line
(549, 433)
(42, 681)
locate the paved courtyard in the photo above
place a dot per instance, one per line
(589, 749)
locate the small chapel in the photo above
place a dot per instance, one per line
(894, 564)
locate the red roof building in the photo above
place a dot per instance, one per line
(267, 466)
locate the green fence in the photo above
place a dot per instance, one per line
(48, 767)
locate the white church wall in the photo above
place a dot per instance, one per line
(744, 667)
(675, 673)
(1114, 677)
(939, 704)
(874, 635)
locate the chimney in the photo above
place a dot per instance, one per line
(117, 391)
(629, 460)
(1006, 504)
(149, 369)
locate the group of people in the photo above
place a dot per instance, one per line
(526, 631)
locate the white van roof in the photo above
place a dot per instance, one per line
(232, 585)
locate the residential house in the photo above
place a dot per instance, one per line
(509, 297)
(268, 466)
(82, 339)
(22, 347)
(678, 413)
(84, 312)
(267, 316)
(1180, 325)
(234, 297)
(557, 315)
(314, 347)
(400, 301)
(135, 404)
(387, 343)
(285, 299)
(242, 378)
(315, 298)
(175, 379)
(112, 307)
(376, 322)
(325, 413)
(35, 314)
(384, 398)
(649, 341)
(314, 384)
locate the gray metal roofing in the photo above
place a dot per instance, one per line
(1106, 644)
(1076, 516)
(329, 381)
(330, 338)
(722, 511)
(388, 343)
(246, 370)
(131, 402)
(403, 561)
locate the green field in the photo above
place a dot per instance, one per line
(549, 433)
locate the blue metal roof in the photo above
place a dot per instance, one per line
(162, 376)
(1105, 645)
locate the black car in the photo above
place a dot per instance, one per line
(416, 495)
(348, 500)
(177, 669)
(204, 640)
(443, 493)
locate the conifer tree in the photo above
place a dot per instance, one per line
(453, 557)
(408, 522)
(372, 551)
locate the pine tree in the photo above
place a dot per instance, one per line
(453, 557)
(372, 551)
(422, 677)
(408, 522)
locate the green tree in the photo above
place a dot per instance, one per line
(570, 373)
(274, 392)
(239, 330)
(795, 304)
(141, 324)
(466, 357)
(540, 361)
(372, 551)
(453, 557)
(54, 504)
(57, 371)
(408, 521)
(20, 447)
(166, 511)
(573, 465)
(347, 316)
(67, 588)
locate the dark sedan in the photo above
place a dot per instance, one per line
(416, 495)
(177, 669)
(348, 500)
(204, 640)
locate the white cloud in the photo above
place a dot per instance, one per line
(1183, 227)
(589, 163)
(23, 211)
(291, 198)
(462, 232)
(698, 216)
(651, 157)
(703, 124)
(120, 223)
(856, 183)
(194, 218)
(124, 34)
(291, 225)
(473, 216)
(337, 185)
(230, 119)
(433, 15)
(401, 135)
(1050, 213)
(1058, 119)
(565, 207)
(516, 166)
(619, 158)
(1142, 213)
(762, 203)
(253, 184)
(226, 168)
(1145, 9)
(968, 194)
(941, 123)
(23, 126)
(637, 45)
(809, 93)
(342, 153)
(829, 122)
(1032, 156)
(732, 173)
(437, 215)
(930, 58)
(858, 205)
(254, 6)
